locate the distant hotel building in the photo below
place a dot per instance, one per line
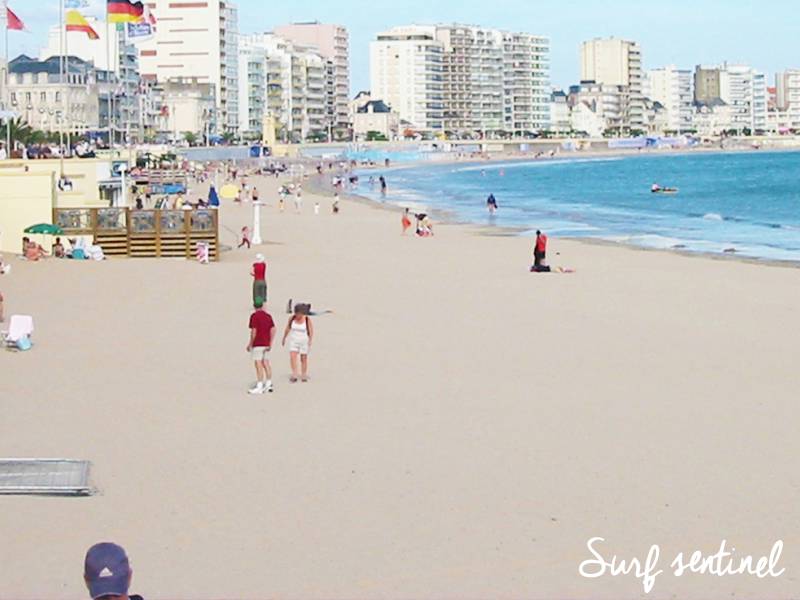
(463, 79)
(282, 81)
(737, 92)
(787, 92)
(197, 41)
(333, 44)
(673, 89)
(616, 66)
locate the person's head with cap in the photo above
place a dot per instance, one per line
(107, 572)
(258, 303)
(260, 258)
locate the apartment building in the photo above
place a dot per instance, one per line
(599, 109)
(526, 83)
(463, 79)
(407, 72)
(745, 90)
(706, 85)
(618, 63)
(787, 92)
(197, 41)
(38, 93)
(283, 81)
(673, 88)
(332, 42)
(472, 78)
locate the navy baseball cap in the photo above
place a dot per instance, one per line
(107, 571)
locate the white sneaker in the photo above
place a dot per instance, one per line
(269, 387)
(257, 389)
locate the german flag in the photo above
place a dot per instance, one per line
(125, 11)
(76, 22)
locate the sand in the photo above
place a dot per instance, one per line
(469, 426)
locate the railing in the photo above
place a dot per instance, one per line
(131, 232)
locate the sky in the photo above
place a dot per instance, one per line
(764, 34)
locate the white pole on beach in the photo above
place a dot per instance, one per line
(257, 223)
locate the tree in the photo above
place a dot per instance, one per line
(191, 138)
(228, 137)
(376, 136)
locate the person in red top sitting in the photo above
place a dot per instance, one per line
(539, 249)
(259, 273)
(262, 334)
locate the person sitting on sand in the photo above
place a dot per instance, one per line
(25, 241)
(34, 252)
(300, 333)
(259, 273)
(539, 249)
(58, 249)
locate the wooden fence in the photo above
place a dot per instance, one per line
(143, 233)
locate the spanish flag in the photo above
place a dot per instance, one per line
(125, 11)
(76, 22)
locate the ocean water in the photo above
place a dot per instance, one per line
(749, 202)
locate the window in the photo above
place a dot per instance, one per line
(43, 97)
(27, 97)
(13, 97)
(58, 97)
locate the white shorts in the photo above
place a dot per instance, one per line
(260, 353)
(298, 345)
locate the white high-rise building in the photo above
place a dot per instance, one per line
(787, 89)
(407, 72)
(196, 41)
(615, 62)
(673, 88)
(744, 90)
(284, 81)
(463, 79)
(332, 42)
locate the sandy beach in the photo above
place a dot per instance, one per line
(468, 428)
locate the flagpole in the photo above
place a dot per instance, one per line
(108, 77)
(66, 100)
(61, 65)
(7, 80)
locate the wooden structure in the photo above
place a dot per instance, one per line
(144, 233)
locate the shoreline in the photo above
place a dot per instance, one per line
(449, 217)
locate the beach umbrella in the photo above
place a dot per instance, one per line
(230, 191)
(45, 229)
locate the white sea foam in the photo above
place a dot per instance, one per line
(533, 163)
(713, 217)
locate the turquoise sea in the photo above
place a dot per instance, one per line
(748, 202)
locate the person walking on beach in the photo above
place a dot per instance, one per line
(298, 198)
(405, 221)
(255, 194)
(262, 334)
(539, 249)
(245, 237)
(259, 273)
(300, 333)
(335, 204)
(107, 572)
